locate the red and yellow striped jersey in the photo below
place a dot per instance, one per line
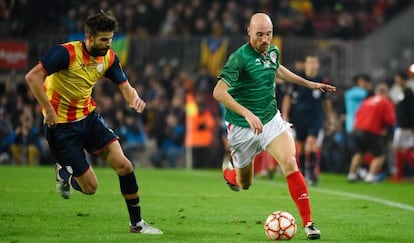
(72, 74)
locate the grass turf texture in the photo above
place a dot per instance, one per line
(197, 206)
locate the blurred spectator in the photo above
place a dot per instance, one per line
(200, 133)
(308, 110)
(404, 132)
(353, 97)
(26, 146)
(131, 132)
(347, 26)
(6, 137)
(195, 17)
(171, 146)
(374, 116)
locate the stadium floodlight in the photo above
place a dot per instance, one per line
(411, 69)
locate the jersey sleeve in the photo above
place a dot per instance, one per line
(389, 113)
(55, 60)
(409, 95)
(326, 95)
(231, 70)
(290, 89)
(115, 72)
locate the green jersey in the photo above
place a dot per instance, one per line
(251, 79)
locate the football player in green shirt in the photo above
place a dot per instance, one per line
(246, 88)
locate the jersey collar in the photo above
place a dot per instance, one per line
(258, 53)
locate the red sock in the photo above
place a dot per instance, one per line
(230, 176)
(409, 155)
(299, 193)
(399, 159)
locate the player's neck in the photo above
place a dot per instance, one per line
(311, 74)
(259, 52)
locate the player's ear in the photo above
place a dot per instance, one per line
(88, 36)
(248, 30)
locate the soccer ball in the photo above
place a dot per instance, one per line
(280, 225)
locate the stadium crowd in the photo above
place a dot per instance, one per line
(166, 89)
(340, 18)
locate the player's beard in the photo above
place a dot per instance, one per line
(263, 47)
(95, 52)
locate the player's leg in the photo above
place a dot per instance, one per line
(398, 156)
(243, 146)
(115, 157)
(103, 142)
(238, 178)
(374, 168)
(311, 148)
(244, 176)
(72, 170)
(75, 173)
(16, 151)
(301, 157)
(378, 150)
(360, 143)
(356, 161)
(282, 148)
(300, 134)
(403, 142)
(32, 155)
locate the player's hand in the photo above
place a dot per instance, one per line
(50, 119)
(324, 87)
(255, 123)
(137, 104)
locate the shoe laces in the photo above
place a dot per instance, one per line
(311, 226)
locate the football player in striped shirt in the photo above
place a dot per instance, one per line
(62, 84)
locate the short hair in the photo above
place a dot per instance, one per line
(362, 76)
(101, 22)
(403, 75)
(381, 88)
(311, 54)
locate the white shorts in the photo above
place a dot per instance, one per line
(403, 138)
(244, 144)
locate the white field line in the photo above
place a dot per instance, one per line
(366, 198)
(349, 195)
(329, 192)
(319, 190)
(280, 184)
(357, 196)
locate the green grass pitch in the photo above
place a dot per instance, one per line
(197, 206)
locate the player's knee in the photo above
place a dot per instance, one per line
(90, 188)
(246, 187)
(123, 168)
(289, 164)
(245, 184)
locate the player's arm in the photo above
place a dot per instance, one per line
(56, 59)
(117, 75)
(329, 113)
(131, 96)
(287, 75)
(221, 94)
(35, 78)
(287, 104)
(389, 114)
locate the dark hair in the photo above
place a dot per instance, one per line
(101, 22)
(403, 75)
(363, 76)
(312, 54)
